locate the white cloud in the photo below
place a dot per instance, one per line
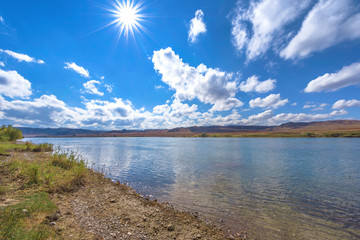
(161, 109)
(259, 118)
(294, 104)
(323, 105)
(302, 117)
(14, 85)
(91, 88)
(328, 23)
(272, 101)
(267, 19)
(252, 84)
(80, 70)
(197, 26)
(209, 85)
(2, 20)
(158, 87)
(2, 64)
(347, 76)
(309, 105)
(48, 111)
(22, 57)
(341, 104)
(109, 88)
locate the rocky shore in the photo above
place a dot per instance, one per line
(101, 209)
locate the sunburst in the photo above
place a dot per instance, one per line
(127, 17)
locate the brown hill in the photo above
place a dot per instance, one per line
(293, 129)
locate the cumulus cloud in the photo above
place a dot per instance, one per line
(302, 117)
(347, 76)
(48, 111)
(91, 88)
(22, 57)
(197, 26)
(269, 118)
(341, 104)
(80, 70)
(14, 85)
(253, 84)
(267, 19)
(2, 64)
(272, 101)
(209, 85)
(328, 23)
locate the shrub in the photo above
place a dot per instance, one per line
(44, 147)
(8, 134)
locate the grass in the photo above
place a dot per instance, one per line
(6, 147)
(20, 221)
(59, 172)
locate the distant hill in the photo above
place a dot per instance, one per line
(287, 129)
(47, 132)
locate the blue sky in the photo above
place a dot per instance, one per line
(196, 62)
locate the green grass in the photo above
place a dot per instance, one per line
(20, 221)
(5, 148)
(61, 171)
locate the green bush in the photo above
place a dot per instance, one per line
(8, 134)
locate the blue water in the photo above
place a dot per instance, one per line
(283, 188)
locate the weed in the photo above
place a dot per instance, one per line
(33, 174)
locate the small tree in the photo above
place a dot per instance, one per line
(8, 134)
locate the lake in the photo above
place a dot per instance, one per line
(275, 188)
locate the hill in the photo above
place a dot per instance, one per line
(337, 128)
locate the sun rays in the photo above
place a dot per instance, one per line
(127, 16)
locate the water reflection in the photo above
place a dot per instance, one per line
(274, 188)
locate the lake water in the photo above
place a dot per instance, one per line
(275, 188)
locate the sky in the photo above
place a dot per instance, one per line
(127, 64)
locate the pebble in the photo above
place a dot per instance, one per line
(112, 201)
(170, 227)
(126, 218)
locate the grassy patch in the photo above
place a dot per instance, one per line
(21, 221)
(36, 175)
(59, 172)
(5, 148)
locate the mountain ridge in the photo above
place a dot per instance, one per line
(316, 126)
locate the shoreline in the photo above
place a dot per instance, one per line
(97, 207)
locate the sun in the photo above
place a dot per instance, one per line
(127, 17)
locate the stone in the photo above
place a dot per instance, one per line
(170, 227)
